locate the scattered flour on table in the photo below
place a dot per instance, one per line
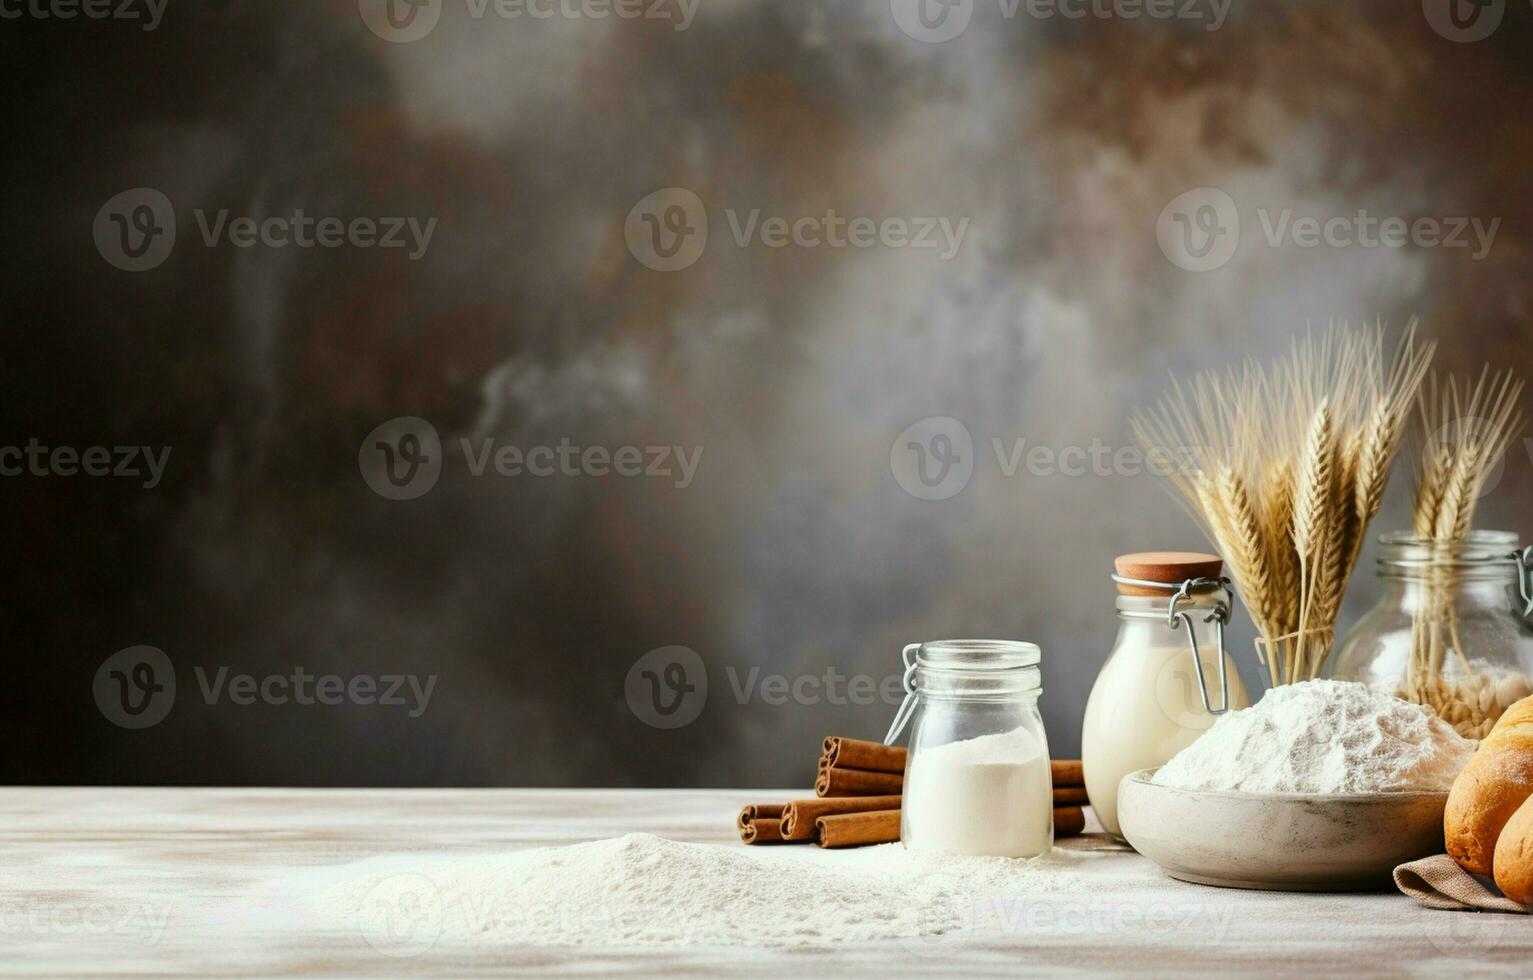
(642, 889)
(1323, 737)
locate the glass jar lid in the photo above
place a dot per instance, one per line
(967, 670)
(1480, 553)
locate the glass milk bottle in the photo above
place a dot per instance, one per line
(1167, 678)
(977, 778)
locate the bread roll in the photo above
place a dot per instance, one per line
(1514, 856)
(1497, 781)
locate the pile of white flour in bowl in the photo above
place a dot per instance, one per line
(1323, 737)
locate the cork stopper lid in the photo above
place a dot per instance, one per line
(1171, 567)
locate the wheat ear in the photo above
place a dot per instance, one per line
(1455, 512)
(1245, 551)
(1277, 505)
(1312, 523)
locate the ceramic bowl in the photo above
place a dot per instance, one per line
(1286, 842)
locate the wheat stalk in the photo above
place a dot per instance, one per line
(1313, 512)
(1467, 430)
(1290, 465)
(1278, 497)
(1245, 547)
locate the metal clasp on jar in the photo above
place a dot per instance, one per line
(1219, 615)
(902, 716)
(1524, 560)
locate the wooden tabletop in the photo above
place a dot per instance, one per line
(105, 882)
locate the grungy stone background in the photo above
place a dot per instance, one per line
(801, 542)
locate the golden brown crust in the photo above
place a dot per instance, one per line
(1495, 784)
(1514, 856)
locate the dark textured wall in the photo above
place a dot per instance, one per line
(533, 316)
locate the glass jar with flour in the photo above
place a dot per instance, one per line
(977, 778)
(1167, 678)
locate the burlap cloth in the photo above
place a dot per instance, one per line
(1439, 883)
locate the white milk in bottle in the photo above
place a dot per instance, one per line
(1147, 704)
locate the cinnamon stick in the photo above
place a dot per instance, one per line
(1067, 772)
(1069, 821)
(858, 829)
(857, 782)
(1070, 796)
(766, 830)
(799, 817)
(759, 811)
(854, 753)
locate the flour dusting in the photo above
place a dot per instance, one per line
(642, 889)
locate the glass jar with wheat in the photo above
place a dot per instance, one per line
(1287, 467)
(1449, 631)
(1452, 631)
